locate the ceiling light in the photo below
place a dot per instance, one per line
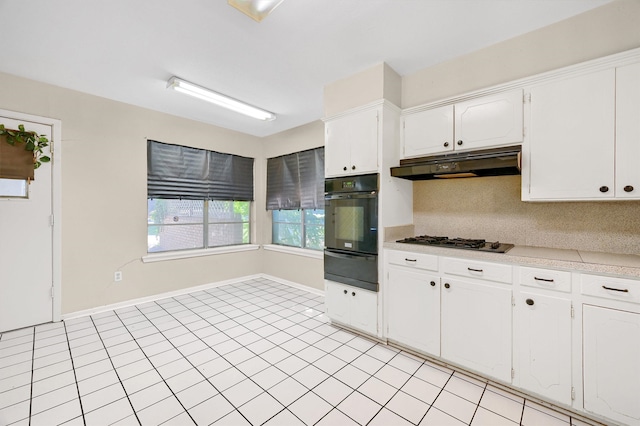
(219, 99)
(256, 9)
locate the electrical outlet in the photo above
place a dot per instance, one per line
(117, 276)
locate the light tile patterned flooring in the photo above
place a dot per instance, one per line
(254, 353)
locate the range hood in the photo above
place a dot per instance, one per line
(486, 162)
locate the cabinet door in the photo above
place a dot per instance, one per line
(364, 142)
(337, 299)
(337, 147)
(428, 132)
(572, 138)
(544, 345)
(628, 131)
(611, 340)
(351, 144)
(413, 315)
(489, 121)
(363, 305)
(476, 327)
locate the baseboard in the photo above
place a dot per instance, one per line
(131, 302)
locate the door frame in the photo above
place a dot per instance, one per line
(55, 145)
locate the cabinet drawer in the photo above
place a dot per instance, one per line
(546, 278)
(413, 260)
(611, 288)
(480, 270)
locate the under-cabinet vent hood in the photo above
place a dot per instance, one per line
(486, 162)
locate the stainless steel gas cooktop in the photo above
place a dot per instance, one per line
(459, 243)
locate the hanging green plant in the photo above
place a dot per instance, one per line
(31, 140)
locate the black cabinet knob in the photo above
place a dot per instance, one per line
(353, 167)
(433, 283)
(446, 285)
(345, 292)
(460, 142)
(529, 302)
(344, 168)
(604, 189)
(628, 188)
(353, 293)
(446, 144)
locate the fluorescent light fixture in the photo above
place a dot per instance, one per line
(219, 99)
(256, 9)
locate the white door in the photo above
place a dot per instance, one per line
(337, 300)
(628, 131)
(476, 327)
(544, 334)
(26, 253)
(363, 308)
(489, 121)
(612, 363)
(428, 132)
(414, 309)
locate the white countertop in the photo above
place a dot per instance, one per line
(625, 265)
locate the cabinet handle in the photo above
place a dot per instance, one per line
(433, 283)
(460, 142)
(628, 188)
(446, 285)
(446, 144)
(529, 302)
(345, 292)
(353, 167)
(344, 168)
(475, 270)
(623, 290)
(604, 189)
(353, 293)
(410, 260)
(543, 279)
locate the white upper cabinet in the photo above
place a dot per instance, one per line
(483, 122)
(351, 143)
(628, 132)
(429, 131)
(571, 138)
(584, 137)
(489, 121)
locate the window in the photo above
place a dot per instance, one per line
(14, 188)
(295, 194)
(197, 198)
(299, 228)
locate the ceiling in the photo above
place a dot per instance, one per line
(126, 50)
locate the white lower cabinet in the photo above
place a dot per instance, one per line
(352, 306)
(413, 305)
(476, 326)
(611, 351)
(542, 345)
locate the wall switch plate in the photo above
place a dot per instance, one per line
(117, 276)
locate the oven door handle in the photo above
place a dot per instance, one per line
(348, 256)
(352, 196)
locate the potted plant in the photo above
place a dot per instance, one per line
(31, 140)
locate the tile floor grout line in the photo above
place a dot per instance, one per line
(75, 377)
(117, 375)
(184, 357)
(484, 389)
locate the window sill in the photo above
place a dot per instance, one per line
(315, 254)
(160, 257)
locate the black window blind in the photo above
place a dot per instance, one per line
(181, 172)
(296, 181)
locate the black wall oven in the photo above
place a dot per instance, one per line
(351, 231)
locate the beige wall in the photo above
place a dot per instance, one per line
(104, 194)
(303, 270)
(490, 207)
(608, 29)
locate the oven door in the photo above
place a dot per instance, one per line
(358, 270)
(351, 222)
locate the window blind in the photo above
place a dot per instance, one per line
(181, 172)
(296, 181)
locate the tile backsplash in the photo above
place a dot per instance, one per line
(490, 208)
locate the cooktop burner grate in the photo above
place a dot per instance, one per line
(461, 243)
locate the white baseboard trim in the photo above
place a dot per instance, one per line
(131, 302)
